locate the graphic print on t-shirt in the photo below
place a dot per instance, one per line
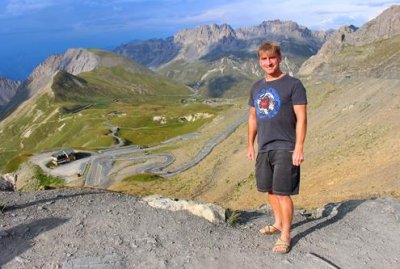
(267, 103)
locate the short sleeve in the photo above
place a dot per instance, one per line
(251, 99)
(299, 95)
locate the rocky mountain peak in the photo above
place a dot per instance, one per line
(278, 25)
(73, 61)
(384, 26)
(211, 41)
(275, 28)
(338, 39)
(76, 61)
(8, 88)
(206, 34)
(197, 42)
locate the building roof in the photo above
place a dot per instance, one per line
(62, 153)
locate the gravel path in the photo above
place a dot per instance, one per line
(96, 229)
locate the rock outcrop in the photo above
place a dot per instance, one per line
(5, 185)
(73, 61)
(211, 212)
(385, 26)
(8, 89)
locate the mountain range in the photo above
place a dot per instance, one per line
(220, 61)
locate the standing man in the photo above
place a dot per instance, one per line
(278, 117)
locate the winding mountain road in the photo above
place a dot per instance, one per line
(100, 164)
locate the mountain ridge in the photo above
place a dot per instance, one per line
(384, 26)
(74, 61)
(194, 43)
(197, 56)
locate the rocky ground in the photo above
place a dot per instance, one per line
(96, 229)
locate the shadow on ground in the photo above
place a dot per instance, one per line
(19, 238)
(341, 211)
(53, 199)
(82, 155)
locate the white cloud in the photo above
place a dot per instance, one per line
(20, 7)
(310, 13)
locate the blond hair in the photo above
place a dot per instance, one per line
(270, 47)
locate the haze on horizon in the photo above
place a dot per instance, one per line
(32, 30)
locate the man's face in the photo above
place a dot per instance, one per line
(269, 62)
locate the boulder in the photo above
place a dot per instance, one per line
(213, 213)
(5, 185)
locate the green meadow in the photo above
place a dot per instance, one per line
(49, 126)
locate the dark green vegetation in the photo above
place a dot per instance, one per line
(143, 178)
(79, 111)
(232, 216)
(44, 180)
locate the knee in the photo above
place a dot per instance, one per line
(282, 197)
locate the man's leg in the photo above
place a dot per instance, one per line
(286, 213)
(276, 209)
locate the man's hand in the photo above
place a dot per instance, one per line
(297, 157)
(301, 129)
(252, 132)
(250, 153)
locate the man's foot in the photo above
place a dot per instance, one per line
(281, 246)
(270, 229)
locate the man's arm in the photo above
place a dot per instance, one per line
(301, 130)
(252, 132)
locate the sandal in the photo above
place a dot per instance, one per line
(270, 229)
(283, 245)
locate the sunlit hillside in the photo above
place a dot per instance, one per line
(78, 111)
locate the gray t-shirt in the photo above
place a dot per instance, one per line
(276, 120)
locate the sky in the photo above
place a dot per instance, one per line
(31, 30)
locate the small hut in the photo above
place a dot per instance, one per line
(63, 156)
